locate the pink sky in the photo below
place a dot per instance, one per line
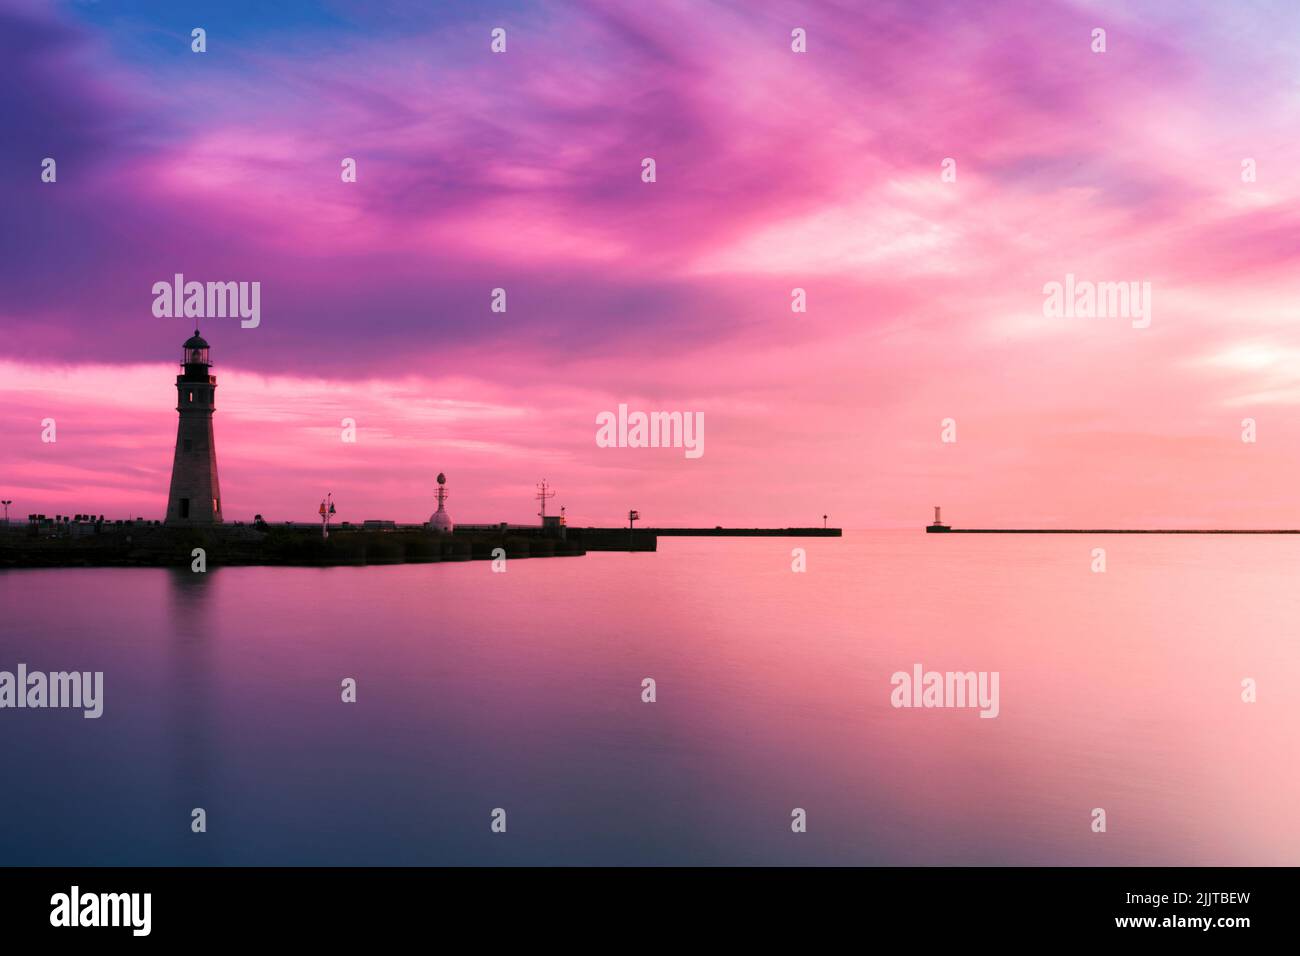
(776, 170)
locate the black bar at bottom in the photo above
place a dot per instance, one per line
(976, 906)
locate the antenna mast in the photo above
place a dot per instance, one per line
(543, 493)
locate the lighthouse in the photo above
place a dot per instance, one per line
(195, 496)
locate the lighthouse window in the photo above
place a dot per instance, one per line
(191, 396)
(185, 507)
(216, 504)
(188, 445)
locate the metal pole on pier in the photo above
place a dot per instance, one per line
(543, 493)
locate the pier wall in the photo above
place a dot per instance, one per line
(150, 546)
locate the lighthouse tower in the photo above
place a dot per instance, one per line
(195, 497)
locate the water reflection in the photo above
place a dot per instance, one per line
(523, 691)
(191, 706)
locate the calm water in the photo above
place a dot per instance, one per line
(523, 691)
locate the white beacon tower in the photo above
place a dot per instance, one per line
(441, 521)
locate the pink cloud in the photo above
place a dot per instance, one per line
(776, 170)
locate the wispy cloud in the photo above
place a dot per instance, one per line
(775, 170)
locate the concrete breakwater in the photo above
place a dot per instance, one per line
(158, 546)
(943, 529)
(150, 544)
